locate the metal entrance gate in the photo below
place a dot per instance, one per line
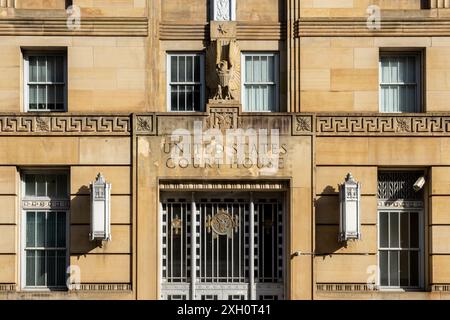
(235, 248)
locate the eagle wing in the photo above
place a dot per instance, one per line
(234, 56)
(211, 78)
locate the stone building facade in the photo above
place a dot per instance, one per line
(225, 128)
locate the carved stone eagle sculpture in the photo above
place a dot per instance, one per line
(223, 70)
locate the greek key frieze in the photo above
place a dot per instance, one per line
(382, 125)
(67, 124)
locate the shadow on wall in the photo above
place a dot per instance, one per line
(80, 224)
(327, 231)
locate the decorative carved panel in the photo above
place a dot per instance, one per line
(145, 124)
(223, 117)
(302, 125)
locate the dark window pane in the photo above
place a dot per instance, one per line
(31, 229)
(30, 273)
(40, 268)
(50, 69)
(30, 186)
(384, 229)
(414, 268)
(51, 185)
(40, 185)
(197, 69)
(181, 69)
(32, 69)
(197, 99)
(41, 68)
(62, 186)
(414, 229)
(61, 268)
(51, 230)
(174, 98)
(190, 98)
(173, 69)
(404, 268)
(181, 98)
(59, 99)
(51, 95)
(61, 230)
(51, 268)
(393, 224)
(59, 69)
(189, 69)
(404, 230)
(384, 268)
(394, 268)
(32, 103)
(40, 229)
(41, 97)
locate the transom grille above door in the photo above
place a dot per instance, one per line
(233, 240)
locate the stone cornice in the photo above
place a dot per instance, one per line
(171, 30)
(354, 27)
(90, 26)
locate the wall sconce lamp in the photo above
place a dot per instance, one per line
(100, 209)
(350, 207)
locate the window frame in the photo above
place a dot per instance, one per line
(276, 69)
(421, 270)
(169, 82)
(419, 65)
(23, 229)
(26, 72)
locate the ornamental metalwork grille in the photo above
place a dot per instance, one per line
(45, 205)
(238, 241)
(400, 230)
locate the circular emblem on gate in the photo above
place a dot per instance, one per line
(222, 223)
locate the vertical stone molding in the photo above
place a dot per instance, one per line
(7, 3)
(439, 4)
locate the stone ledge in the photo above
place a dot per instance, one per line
(90, 26)
(357, 27)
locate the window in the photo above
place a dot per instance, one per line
(400, 225)
(260, 82)
(400, 82)
(45, 204)
(45, 82)
(186, 82)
